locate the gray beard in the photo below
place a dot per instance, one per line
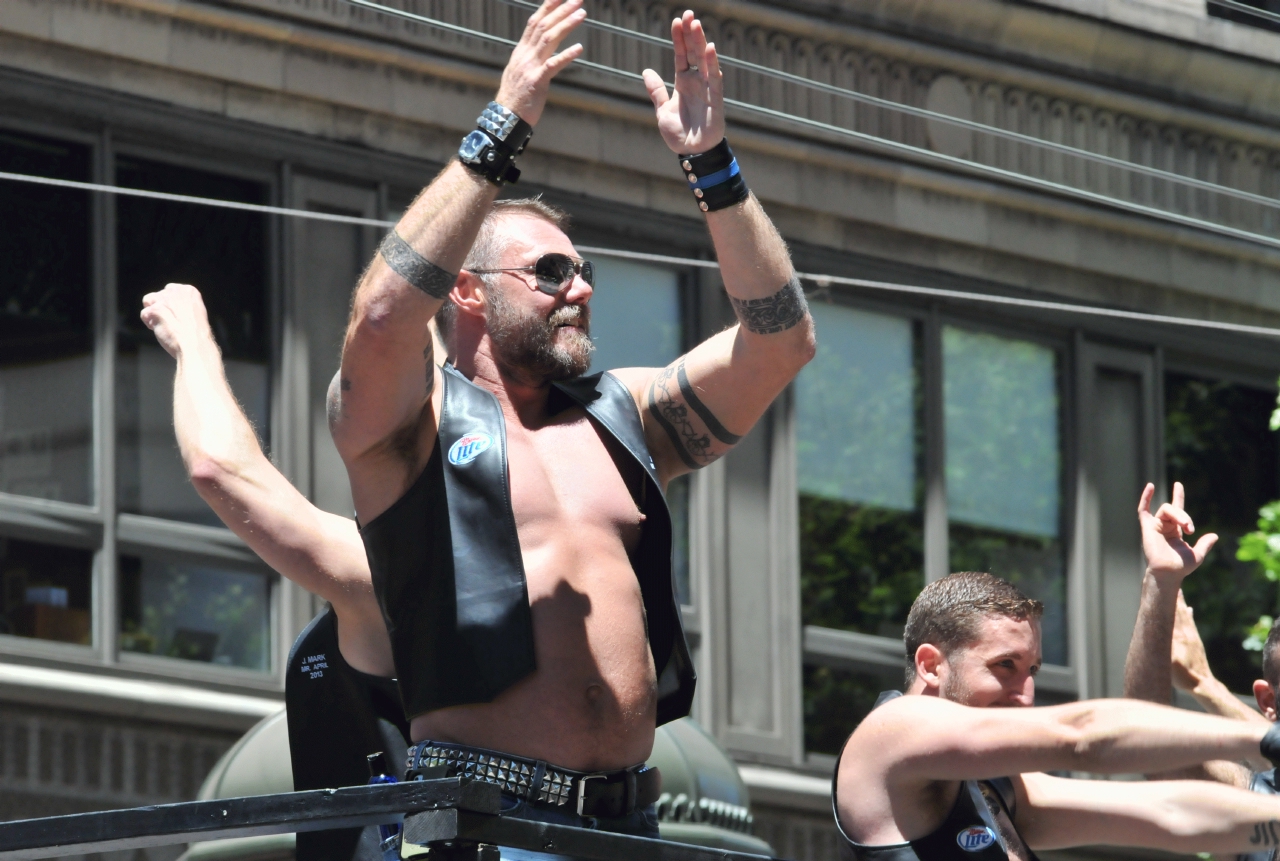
(524, 345)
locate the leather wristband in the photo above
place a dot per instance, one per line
(714, 178)
(1270, 744)
(492, 148)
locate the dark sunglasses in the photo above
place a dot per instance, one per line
(553, 271)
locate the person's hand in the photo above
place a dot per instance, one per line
(177, 315)
(1190, 663)
(691, 119)
(1169, 557)
(534, 61)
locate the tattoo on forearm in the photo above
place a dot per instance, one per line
(775, 313)
(1264, 833)
(673, 404)
(414, 268)
(713, 424)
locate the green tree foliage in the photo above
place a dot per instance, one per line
(1218, 445)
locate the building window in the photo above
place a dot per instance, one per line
(636, 322)
(46, 333)
(1004, 469)
(223, 252)
(195, 612)
(45, 591)
(1219, 445)
(858, 453)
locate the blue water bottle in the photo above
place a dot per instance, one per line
(389, 835)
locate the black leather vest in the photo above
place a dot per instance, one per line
(337, 716)
(447, 568)
(972, 830)
(1265, 783)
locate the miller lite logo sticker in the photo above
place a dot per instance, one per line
(975, 838)
(469, 447)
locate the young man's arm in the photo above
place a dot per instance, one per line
(698, 408)
(915, 740)
(1178, 816)
(319, 551)
(384, 400)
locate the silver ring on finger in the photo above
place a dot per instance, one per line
(692, 67)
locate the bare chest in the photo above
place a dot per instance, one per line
(568, 477)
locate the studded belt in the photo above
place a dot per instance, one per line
(604, 794)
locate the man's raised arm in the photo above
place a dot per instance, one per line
(319, 551)
(696, 409)
(1147, 668)
(388, 376)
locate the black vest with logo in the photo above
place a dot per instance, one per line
(446, 560)
(976, 829)
(1265, 783)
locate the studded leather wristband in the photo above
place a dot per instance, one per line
(492, 148)
(714, 178)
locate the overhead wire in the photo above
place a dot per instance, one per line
(935, 116)
(821, 280)
(884, 144)
(1246, 9)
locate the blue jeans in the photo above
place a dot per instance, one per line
(642, 823)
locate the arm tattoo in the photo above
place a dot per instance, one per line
(414, 268)
(713, 424)
(775, 313)
(671, 397)
(1264, 833)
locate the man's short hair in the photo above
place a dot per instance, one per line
(947, 612)
(1271, 660)
(486, 252)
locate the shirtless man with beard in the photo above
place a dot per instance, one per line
(512, 509)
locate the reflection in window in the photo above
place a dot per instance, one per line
(1004, 468)
(46, 338)
(636, 323)
(45, 591)
(224, 254)
(857, 450)
(195, 612)
(1217, 443)
(836, 701)
(635, 315)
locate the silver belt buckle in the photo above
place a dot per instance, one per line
(582, 789)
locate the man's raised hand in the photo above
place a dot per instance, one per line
(691, 118)
(1168, 554)
(176, 314)
(534, 61)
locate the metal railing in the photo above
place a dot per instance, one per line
(444, 820)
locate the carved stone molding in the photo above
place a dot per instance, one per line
(1130, 136)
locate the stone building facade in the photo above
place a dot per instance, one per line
(934, 432)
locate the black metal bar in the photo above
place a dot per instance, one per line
(190, 821)
(466, 826)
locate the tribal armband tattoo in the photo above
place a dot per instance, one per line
(675, 408)
(414, 268)
(775, 313)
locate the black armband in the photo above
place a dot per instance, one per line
(714, 178)
(775, 313)
(492, 148)
(1270, 744)
(414, 268)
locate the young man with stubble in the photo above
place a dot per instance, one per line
(511, 507)
(957, 767)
